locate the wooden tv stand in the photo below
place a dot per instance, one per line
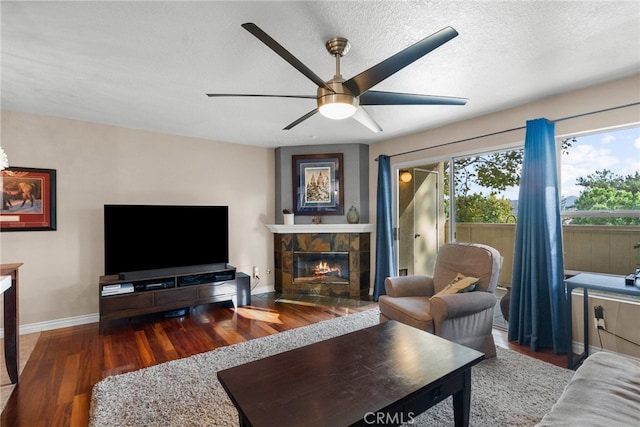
(172, 292)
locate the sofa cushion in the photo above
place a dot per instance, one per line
(604, 391)
(459, 284)
(413, 311)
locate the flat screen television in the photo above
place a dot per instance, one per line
(140, 238)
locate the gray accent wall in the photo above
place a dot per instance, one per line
(356, 180)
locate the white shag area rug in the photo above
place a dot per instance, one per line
(509, 390)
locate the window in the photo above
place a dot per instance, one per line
(486, 187)
(600, 178)
(600, 187)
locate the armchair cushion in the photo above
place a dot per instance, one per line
(459, 305)
(470, 259)
(459, 284)
(413, 311)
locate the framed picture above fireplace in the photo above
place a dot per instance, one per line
(318, 184)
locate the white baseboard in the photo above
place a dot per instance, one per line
(48, 325)
(31, 328)
(262, 289)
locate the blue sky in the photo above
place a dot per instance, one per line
(616, 150)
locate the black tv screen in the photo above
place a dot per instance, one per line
(152, 237)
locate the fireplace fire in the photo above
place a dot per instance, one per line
(321, 267)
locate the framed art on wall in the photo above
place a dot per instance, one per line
(28, 199)
(318, 184)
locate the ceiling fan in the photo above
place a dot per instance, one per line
(339, 98)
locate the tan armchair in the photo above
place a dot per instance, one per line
(465, 318)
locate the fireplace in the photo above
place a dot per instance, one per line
(321, 267)
(328, 264)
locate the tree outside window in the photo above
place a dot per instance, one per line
(486, 186)
(601, 179)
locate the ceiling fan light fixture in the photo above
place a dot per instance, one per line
(338, 98)
(337, 106)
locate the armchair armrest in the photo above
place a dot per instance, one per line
(458, 305)
(409, 286)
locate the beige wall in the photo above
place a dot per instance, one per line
(622, 331)
(98, 164)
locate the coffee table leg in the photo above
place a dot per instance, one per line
(462, 401)
(243, 421)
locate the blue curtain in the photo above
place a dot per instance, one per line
(537, 307)
(385, 259)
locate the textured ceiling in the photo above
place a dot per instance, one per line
(148, 65)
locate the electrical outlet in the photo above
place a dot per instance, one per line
(268, 271)
(256, 272)
(598, 312)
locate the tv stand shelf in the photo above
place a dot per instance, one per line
(171, 292)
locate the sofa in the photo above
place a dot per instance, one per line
(604, 391)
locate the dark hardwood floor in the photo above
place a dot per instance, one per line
(55, 385)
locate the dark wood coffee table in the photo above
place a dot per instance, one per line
(383, 375)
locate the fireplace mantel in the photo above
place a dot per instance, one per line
(320, 228)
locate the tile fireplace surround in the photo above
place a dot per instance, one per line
(318, 239)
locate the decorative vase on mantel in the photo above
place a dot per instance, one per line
(353, 217)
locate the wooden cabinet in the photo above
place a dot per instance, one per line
(9, 288)
(167, 293)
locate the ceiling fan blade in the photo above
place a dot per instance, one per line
(285, 54)
(220, 95)
(301, 119)
(374, 75)
(362, 116)
(373, 97)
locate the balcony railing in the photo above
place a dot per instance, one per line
(594, 248)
